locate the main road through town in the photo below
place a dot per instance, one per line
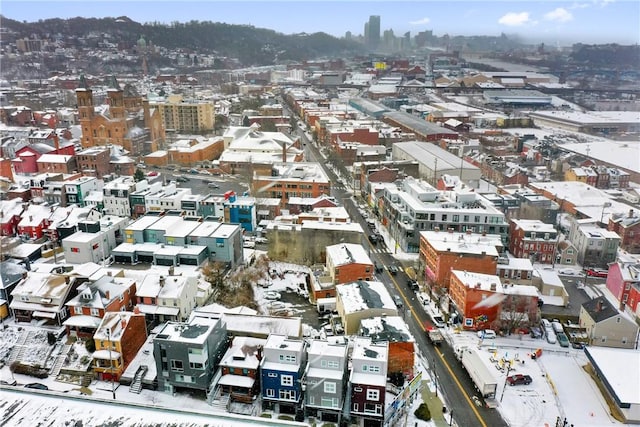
(452, 381)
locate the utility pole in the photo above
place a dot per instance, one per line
(113, 390)
(505, 380)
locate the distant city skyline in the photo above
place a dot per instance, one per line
(551, 21)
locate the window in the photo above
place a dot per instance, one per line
(357, 389)
(270, 392)
(177, 365)
(373, 394)
(194, 365)
(77, 310)
(95, 312)
(329, 387)
(287, 394)
(272, 375)
(286, 380)
(375, 369)
(288, 357)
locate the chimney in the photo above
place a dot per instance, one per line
(123, 323)
(630, 213)
(136, 310)
(67, 279)
(436, 228)
(107, 294)
(494, 287)
(284, 152)
(259, 353)
(450, 230)
(599, 306)
(484, 233)
(56, 142)
(161, 281)
(468, 231)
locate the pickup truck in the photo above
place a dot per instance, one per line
(435, 336)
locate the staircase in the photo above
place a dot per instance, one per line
(57, 364)
(220, 403)
(136, 384)
(19, 347)
(87, 379)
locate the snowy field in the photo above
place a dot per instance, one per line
(560, 387)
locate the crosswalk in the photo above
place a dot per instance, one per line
(381, 249)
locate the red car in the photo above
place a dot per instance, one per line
(518, 379)
(153, 173)
(596, 272)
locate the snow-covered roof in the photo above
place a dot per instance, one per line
(347, 253)
(609, 361)
(196, 331)
(363, 295)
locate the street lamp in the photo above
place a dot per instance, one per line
(435, 377)
(113, 391)
(505, 379)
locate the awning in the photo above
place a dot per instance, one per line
(44, 314)
(106, 354)
(155, 309)
(83, 321)
(237, 381)
(169, 311)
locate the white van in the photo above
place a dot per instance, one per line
(487, 334)
(557, 327)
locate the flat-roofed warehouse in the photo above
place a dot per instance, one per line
(424, 130)
(594, 122)
(433, 162)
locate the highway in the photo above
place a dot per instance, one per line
(452, 381)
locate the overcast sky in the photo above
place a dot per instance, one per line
(587, 21)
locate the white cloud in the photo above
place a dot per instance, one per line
(559, 14)
(422, 21)
(513, 19)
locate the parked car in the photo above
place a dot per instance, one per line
(378, 267)
(413, 285)
(536, 332)
(398, 301)
(37, 386)
(577, 345)
(273, 295)
(261, 240)
(213, 185)
(518, 379)
(487, 334)
(12, 382)
(596, 272)
(438, 321)
(248, 244)
(562, 339)
(153, 173)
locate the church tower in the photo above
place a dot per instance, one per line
(86, 111)
(116, 99)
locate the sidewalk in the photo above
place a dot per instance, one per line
(434, 403)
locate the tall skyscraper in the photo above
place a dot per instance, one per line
(372, 31)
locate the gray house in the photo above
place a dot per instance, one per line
(326, 380)
(187, 354)
(607, 326)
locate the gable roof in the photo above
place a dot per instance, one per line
(600, 309)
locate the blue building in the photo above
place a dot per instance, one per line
(240, 210)
(281, 371)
